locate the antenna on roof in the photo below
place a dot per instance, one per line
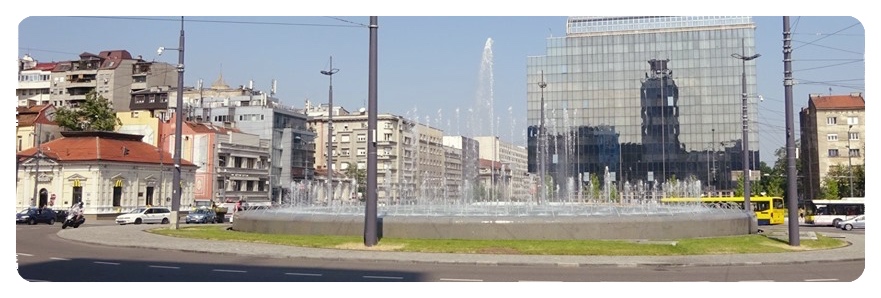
(273, 87)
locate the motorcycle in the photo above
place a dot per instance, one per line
(73, 220)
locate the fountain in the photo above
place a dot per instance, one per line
(589, 209)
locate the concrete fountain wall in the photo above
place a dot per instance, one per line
(651, 227)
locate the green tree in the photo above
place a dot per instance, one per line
(829, 190)
(94, 114)
(841, 174)
(360, 176)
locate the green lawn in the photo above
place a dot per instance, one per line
(694, 246)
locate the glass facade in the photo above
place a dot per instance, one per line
(644, 99)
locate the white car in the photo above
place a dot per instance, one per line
(145, 215)
(858, 222)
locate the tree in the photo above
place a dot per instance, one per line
(94, 114)
(841, 175)
(360, 176)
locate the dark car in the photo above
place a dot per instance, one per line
(34, 215)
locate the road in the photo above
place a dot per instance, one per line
(43, 256)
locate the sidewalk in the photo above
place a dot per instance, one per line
(135, 236)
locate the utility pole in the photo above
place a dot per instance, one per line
(745, 139)
(39, 155)
(541, 142)
(370, 224)
(329, 158)
(791, 174)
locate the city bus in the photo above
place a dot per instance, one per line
(769, 210)
(830, 212)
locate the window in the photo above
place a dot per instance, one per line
(345, 138)
(831, 120)
(854, 152)
(833, 152)
(853, 136)
(853, 120)
(362, 151)
(362, 138)
(832, 137)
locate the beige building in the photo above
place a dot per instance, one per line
(410, 155)
(109, 172)
(34, 80)
(510, 160)
(33, 121)
(832, 134)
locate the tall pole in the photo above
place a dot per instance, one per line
(849, 164)
(329, 159)
(178, 138)
(541, 142)
(39, 155)
(791, 190)
(370, 224)
(745, 162)
(715, 181)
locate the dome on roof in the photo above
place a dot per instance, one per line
(219, 84)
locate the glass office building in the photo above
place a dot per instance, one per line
(644, 98)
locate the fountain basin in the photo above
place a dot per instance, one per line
(653, 226)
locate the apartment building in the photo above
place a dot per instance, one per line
(410, 155)
(832, 134)
(113, 74)
(291, 144)
(508, 159)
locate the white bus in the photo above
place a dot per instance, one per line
(830, 212)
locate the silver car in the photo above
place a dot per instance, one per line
(858, 222)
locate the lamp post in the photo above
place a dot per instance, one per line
(178, 122)
(329, 73)
(38, 155)
(849, 164)
(541, 136)
(745, 142)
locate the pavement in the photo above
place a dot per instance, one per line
(136, 236)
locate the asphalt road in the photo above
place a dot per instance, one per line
(43, 256)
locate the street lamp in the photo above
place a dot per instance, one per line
(746, 172)
(178, 122)
(849, 164)
(329, 73)
(541, 135)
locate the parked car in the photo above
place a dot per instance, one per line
(145, 215)
(33, 215)
(858, 222)
(202, 215)
(60, 215)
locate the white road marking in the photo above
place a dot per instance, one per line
(302, 274)
(106, 263)
(822, 279)
(766, 280)
(59, 259)
(232, 271)
(164, 267)
(383, 277)
(459, 279)
(26, 255)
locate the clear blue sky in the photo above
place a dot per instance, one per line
(428, 66)
(427, 63)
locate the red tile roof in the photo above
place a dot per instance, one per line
(102, 146)
(838, 102)
(27, 116)
(45, 66)
(486, 163)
